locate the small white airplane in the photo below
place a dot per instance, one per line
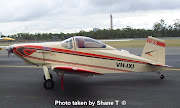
(88, 57)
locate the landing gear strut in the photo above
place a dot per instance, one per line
(50, 76)
(48, 83)
(161, 76)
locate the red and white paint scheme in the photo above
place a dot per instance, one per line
(88, 57)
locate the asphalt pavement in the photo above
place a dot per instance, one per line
(21, 86)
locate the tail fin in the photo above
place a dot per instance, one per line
(154, 50)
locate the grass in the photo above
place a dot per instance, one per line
(141, 43)
(134, 43)
(173, 43)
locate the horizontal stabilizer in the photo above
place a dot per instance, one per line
(74, 70)
(161, 65)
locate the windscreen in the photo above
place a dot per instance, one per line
(67, 43)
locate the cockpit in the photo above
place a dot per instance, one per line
(85, 42)
(82, 42)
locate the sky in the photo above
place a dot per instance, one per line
(69, 16)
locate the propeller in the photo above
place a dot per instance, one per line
(9, 50)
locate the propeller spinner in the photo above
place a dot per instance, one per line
(9, 49)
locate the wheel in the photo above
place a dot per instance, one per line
(50, 77)
(48, 84)
(162, 76)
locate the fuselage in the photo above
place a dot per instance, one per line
(92, 56)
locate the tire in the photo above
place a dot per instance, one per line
(50, 77)
(48, 84)
(162, 76)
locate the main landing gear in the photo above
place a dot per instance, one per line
(48, 83)
(161, 76)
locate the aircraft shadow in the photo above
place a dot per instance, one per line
(96, 87)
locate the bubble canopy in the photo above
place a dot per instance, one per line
(83, 42)
(86, 42)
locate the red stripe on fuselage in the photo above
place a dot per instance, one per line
(16, 51)
(79, 53)
(76, 64)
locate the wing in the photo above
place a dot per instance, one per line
(3, 47)
(74, 70)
